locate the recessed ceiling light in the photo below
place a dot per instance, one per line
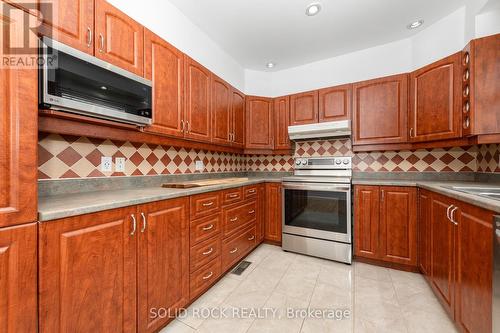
(313, 9)
(415, 24)
(270, 64)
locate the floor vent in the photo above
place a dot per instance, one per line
(241, 267)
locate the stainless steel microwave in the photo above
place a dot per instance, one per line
(76, 82)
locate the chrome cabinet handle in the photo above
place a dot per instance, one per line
(89, 37)
(234, 251)
(233, 195)
(234, 219)
(207, 204)
(210, 227)
(251, 238)
(251, 211)
(188, 126)
(144, 222)
(182, 125)
(208, 252)
(411, 132)
(251, 191)
(101, 39)
(208, 276)
(134, 225)
(452, 215)
(448, 212)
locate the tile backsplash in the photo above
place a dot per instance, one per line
(63, 156)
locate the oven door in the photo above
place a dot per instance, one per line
(318, 210)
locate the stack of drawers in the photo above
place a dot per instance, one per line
(223, 229)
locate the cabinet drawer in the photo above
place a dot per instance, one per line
(237, 216)
(235, 248)
(204, 277)
(250, 191)
(232, 196)
(204, 228)
(204, 252)
(205, 204)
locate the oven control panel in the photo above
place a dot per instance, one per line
(330, 163)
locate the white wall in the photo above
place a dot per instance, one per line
(172, 25)
(487, 22)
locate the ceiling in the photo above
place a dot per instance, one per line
(255, 32)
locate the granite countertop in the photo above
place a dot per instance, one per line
(67, 205)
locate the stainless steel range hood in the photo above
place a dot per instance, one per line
(340, 128)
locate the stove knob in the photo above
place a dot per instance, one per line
(297, 162)
(304, 162)
(338, 162)
(346, 162)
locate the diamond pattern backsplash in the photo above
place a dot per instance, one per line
(63, 156)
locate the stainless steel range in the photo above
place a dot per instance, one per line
(317, 208)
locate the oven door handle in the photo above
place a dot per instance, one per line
(317, 187)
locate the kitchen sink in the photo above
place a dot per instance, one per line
(487, 192)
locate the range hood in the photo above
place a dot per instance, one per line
(340, 128)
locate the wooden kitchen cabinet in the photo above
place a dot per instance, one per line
(221, 111)
(424, 232)
(304, 108)
(281, 122)
(119, 40)
(335, 103)
(238, 118)
(164, 66)
(19, 134)
(163, 260)
(197, 100)
(259, 123)
(273, 209)
(88, 272)
(261, 212)
(380, 110)
(366, 221)
(18, 275)
(436, 100)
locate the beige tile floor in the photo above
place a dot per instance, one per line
(373, 299)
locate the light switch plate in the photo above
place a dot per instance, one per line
(199, 166)
(106, 164)
(120, 164)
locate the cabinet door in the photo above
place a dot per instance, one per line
(398, 225)
(261, 212)
(424, 232)
(304, 108)
(274, 207)
(335, 103)
(197, 100)
(221, 111)
(474, 269)
(87, 277)
(238, 118)
(119, 39)
(18, 134)
(442, 255)
(380, 110)
(164, 65)
(163, 260)
(18, 275)
(366, 221)
(281, 122)
(435, 98)
(70, 22)
(259, 124)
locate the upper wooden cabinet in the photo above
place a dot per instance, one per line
(197, 100)
(19, 134)
(18, 285)
(436, 102)
(380, 110)
(238, 119)
(70, 22)
(335, 103)
(304, 108)
(221, 111)
(281, 122)
(259, 124)
(164, 65)
(119, 39)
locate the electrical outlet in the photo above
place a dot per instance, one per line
(106, 164)
(120, 164)
(199, 166)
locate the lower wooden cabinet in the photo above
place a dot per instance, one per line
(385, 224)
(424, 229)
(18, 274)
(109, 271)
(261, 213)
(273, 211)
